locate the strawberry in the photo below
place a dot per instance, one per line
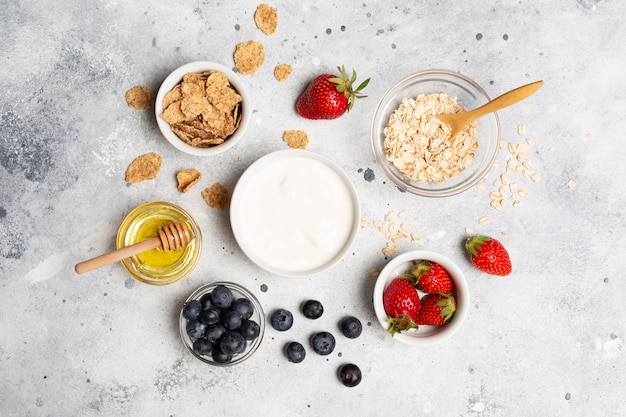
(488, 255)
(329, 96)
(401, 302)
(436, 309)
(431, 278)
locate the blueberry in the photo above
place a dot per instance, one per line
(220, 357)
(210, 316)
(350, 375)
(196, 329)
(202, 347)
(351, 327)
(295, 352)
(192, 310)
(222, 296)
(249, 329)
(231, 319)
(232, 342)
(282, 319)
(214, 333)
(312, 309)
(205, 300)
(243, 306)
(323, 343)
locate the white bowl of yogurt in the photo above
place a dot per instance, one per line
(294, 213)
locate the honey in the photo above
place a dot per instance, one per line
(156, 266)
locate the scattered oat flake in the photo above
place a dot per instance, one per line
(187, 178)
(365, 222)
(296, 138)
(484, 220)
(521, 130)
(144, 167)
(374, 272)
(249, 57)
(415, 238)
(140, 97)
(402, 213)
(571, 183)
(480, 185)
(589, 135)
(469, 230)
(282, 72)
(266, 18)
(530, 142)
(216, 196)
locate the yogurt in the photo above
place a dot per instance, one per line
(297, 214)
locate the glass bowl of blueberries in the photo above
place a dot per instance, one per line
(222, 323)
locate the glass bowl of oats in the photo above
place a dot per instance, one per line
(203, 108)
(414, 148)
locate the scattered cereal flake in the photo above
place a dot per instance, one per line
(402, 213)
(521, 130)
(296, 138)
(469, 230)
(144, 167)
(502, 143)
(374, 272)
(571, 183)
(480, 185)
(187, 178)
(216, 196)
(249, 56)
(530, 142)
(415, 237)
(534, 177)
(389, 249)
(484, 220)
(365, 222)
(282, 72)
(266, 18)
(522, 192)
(589, 135)
(517, 203)
(140, 97)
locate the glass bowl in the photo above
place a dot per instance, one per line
(175, 78)
(424, 335)
(156, 267)
(238, 291)
(470, 95)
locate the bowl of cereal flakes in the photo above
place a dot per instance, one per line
(414, 148)
(203, 108)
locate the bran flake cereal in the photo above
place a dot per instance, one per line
(216, 196)
(266, 18)
(144, 167)
(140, 98)
(419, 145)
(187, 178)
(282, 72)
(296, 138)
(249, 56)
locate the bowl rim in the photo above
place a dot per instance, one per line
(174, 78)
(377, 121)
(462, 297)
(248, 176)
(258, 310)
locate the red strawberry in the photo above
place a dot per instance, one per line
(329, 96)
(436, 309)
(401, 302)
(488, 255)
(432, 278)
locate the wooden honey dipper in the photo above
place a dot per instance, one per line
(172, 236)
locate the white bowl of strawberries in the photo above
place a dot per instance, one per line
(421, 298)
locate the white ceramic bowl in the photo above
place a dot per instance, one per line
(469, 95)
(175, 78)
(294, 213)
(425, 335)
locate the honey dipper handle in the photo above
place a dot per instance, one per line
(117, 255)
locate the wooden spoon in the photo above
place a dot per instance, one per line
(172, 236)
(458, 121)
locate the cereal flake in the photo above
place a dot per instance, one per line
(187, 178)
(216, 196)
(249, 56)
(296, 138)
(140, 97)
(144, 167)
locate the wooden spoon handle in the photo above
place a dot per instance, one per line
(118, 255)
(506, 99)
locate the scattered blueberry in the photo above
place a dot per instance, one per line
(231, 320)
(192, 310)
(323, 343)
(214, 332)
(202, 347)
(196, 329)
(243, 306)
(232, 342)
(249, 329)
(212, 315)
(351, 327)
(350, 375)
(220, 357)
(282, 319)
(222, 296)
(295, 352)
(312, 309)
